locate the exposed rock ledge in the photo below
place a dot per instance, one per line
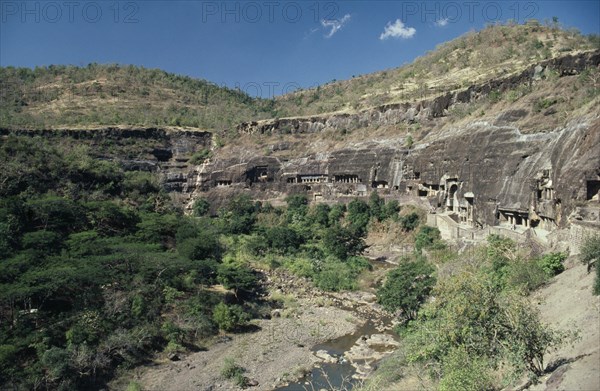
(396, 113)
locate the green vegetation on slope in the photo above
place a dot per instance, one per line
(478, 330)
(496, 51)
(96, 95)
(62, 96)
(590, 256)
(98, 271)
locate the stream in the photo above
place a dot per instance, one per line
(340, 373)
(337, 374)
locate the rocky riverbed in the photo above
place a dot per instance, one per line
(311, 329)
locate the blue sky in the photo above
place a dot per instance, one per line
(264, 47)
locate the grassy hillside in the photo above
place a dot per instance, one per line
(57, 96)
(67, 96)
(496, 51)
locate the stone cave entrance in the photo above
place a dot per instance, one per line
(593, 188)
(452, 197)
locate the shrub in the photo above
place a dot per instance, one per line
(335, 276)
(134, 386)
(140, 182)
(590, 251)
(552, 264)
(231, 369)
(234, 372)
(200, 156)
(229, 317)
(465, 372)
(521, 273)
(473, 313)
(409, 222)
(590, 255)
(428, 237)
(597, 282)
(542, 104)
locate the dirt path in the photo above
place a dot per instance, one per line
(568, 303)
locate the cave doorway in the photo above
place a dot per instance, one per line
(593, 187)
(452, 197)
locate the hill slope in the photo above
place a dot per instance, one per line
(491, 53)
(68, 96)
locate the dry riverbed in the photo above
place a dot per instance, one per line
(280, 350)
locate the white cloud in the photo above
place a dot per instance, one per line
(441, 22)
(397, 30)
(334, 24)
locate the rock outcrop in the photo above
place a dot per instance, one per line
(393, 114)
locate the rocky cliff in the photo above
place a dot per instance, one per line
(481, 172)
(510, 166)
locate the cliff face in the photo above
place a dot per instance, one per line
(481, 172)
(393, 114)
(165, 151)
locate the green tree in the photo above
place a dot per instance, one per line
(297, 206)
(336, 213)
(201, 207)
(358, 216)
(320, 214)
(376, 205)
(283, 240)
(237, 277)
(342, 242)
(390, 209)
(406, 288)
(239, 215)
(427, 237)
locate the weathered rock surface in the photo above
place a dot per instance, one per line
(480, 173)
